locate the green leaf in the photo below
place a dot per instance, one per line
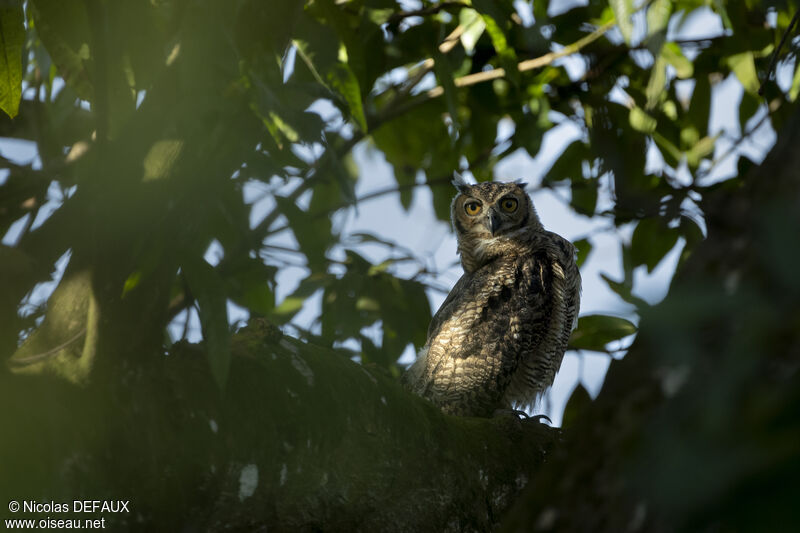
(743, 65)
(68, 335)
(249, 285)
(747, 108)
(505, 53)
(623, 9)
(417, 140)
(673, 55)
(345, 83)
(529, 133)
(692, 234)
(444, 73)
(700, 106)
(496, 35)
(540, 11)
(313, 233)
(594, 332)
(64, 30)
(652, 240)
(473, 25)
(795, 88)
(206, 286)
(658, 14)
(12, 38)
(624, 290)
(699, 150)
(656, 84)
(293, 303)
(672, 155)
(641, 121)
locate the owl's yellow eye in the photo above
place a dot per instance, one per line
(509, 205)
(472, 208)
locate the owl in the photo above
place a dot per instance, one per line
(497, 341)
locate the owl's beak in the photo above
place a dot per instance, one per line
(492, 222)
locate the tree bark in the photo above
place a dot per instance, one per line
(301, 439)
(697, 428)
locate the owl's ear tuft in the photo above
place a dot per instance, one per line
(521, 184)
(459, 183)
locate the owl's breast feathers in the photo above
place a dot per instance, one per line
(498, 339)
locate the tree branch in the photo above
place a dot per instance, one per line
(432, 10)
(778, 51)
(523, 66)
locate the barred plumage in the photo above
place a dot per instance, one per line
(498, 339)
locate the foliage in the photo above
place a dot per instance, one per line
(190, 107)
(154, 121)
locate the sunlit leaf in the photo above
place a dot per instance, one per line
(658, 14)
(794, 90)
(623, 9)
(641, 121)
(699, 150)
(743, 65)
(656, 84)
(673, 55)
(474, 26)
(12, 37)
(344, 82)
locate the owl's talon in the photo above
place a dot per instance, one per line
(538, 418)
(511, 412)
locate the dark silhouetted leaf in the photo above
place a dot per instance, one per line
(652, 240)
(594, 332)
(207, 287)
(578, 401)
(584, 247)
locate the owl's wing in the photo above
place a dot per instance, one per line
(500, 335)
(481, 333)
(450, 304)
(539, 364)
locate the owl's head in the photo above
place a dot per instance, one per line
(492, 209)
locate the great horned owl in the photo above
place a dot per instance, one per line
(498, 339)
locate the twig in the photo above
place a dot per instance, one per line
(734, 147)
(432, 10)
(528, 64)
(778, 51)
(389, 190)
(35, 358)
